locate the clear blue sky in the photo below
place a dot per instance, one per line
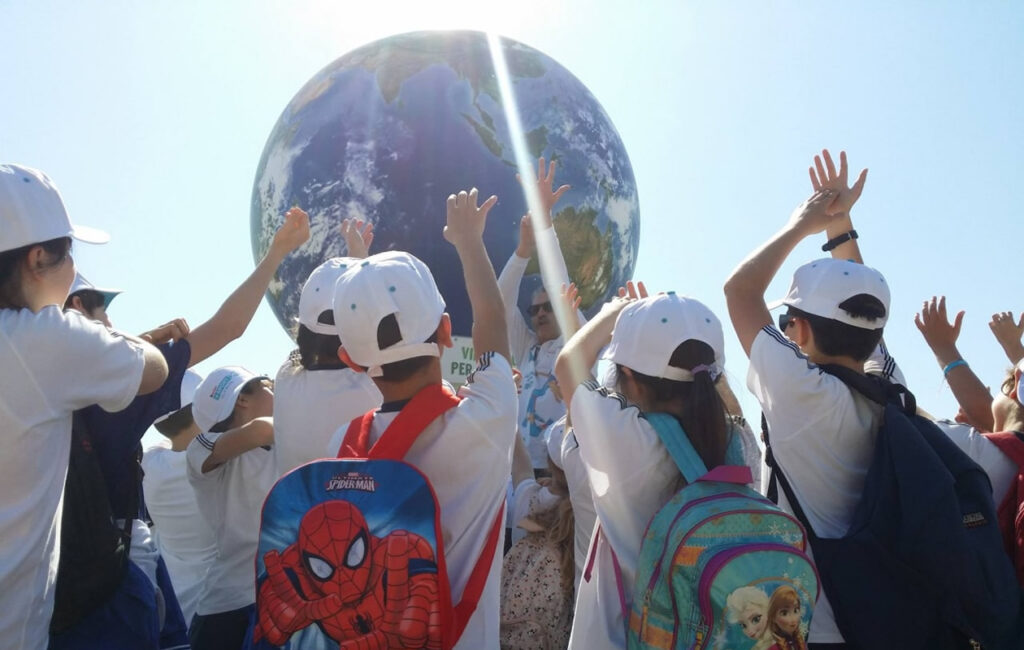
(151, 118)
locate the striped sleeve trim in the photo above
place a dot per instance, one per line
(204, 441)
(780, 338)
(483, 362)
(593, 386)
(888, 362)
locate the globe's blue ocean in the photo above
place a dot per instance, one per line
(388, 131)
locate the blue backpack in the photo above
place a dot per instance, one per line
(716, 559)
(922, 564)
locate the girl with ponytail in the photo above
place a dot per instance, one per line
(667, 351)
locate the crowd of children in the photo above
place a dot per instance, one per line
(572, 442)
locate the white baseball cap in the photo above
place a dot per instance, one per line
(649, 330)
(318, 294)
(380, 285)
(214, 399)
(31, 211)
(189, 382)
(553, 436)
(81, 284)
(819, 287)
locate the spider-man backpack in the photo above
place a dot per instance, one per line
(351, 552)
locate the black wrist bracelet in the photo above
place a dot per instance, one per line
(841, 239)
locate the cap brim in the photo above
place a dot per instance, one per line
(775, 304)
(89, 235)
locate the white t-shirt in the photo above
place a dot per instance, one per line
(185, 540)
(631, 477)
(823, 437)
(538, 406)
(51, 364)
(466, 454)
(310, 405)
(230, 498)
(583, 511)
(1002, 471)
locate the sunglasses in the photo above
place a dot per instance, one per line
(533, 310)
(785, 320)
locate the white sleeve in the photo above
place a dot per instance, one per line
(198, 451)
(788, 386)
(549, 248)
(489, 401)
(530, 498)
(520, 338)
(617, 445)
(882, 363)
(89, 362)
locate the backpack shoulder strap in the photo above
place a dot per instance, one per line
(777, 478)
(425, 407)
(678, 445)
(689, 462)
(876, 388)
(478, 578)
(1011, 444)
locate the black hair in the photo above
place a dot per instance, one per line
(10, 269)
(176, 422)
(91, 300)
(389, 334)
(701, 412)
(318, 350)
(837, 339)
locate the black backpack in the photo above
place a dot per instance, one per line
(922, 564)
(93, 550)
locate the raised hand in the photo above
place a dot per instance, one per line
(633, 291)
(358, 235)
(825, 177)
(545, 181)
(571, 298)
(466, 220)
(527, 243)
(938, 332)
(813, 216)
(175, 330)
(294, 232)
(1008, 333)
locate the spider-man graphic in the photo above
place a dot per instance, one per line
(365, 592)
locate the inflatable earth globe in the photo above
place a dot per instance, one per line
(388, 131)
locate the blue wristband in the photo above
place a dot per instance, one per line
(953, 364)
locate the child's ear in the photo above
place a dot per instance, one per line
(444, 331)
(347, 360)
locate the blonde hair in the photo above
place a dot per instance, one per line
(559, 524)
(742, 598)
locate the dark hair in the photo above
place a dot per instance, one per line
(389, 334)
(318, 350)
(838, 339)
(176, 422)
(91, 300)
(224, 424)
(10, 269)
(701, 412)
(248, 388)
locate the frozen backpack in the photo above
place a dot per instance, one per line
(1011, 506)
(351, 553)
(720, 566)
